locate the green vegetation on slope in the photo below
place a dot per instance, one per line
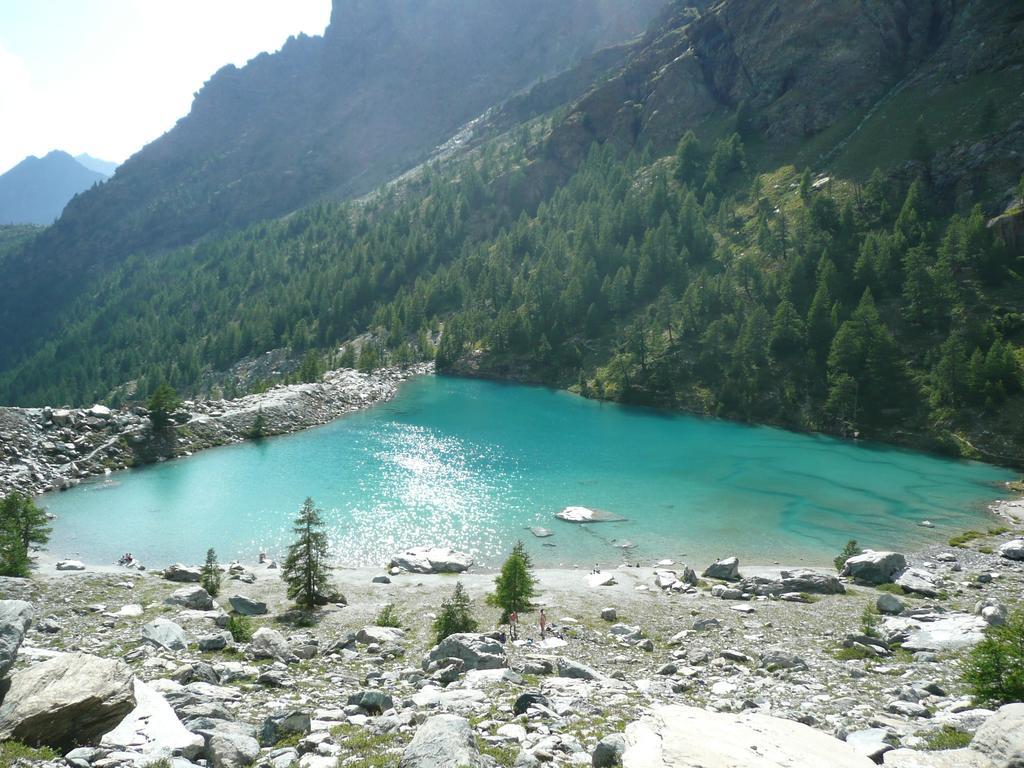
(684, 282)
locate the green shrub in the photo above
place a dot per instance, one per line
(454, 616)
(869, 622)
(994, 670)
(12, 751)
(388, 617)
(240, 628)
(850, 550)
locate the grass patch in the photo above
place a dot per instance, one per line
(892, 589)
(10, 751)
(503, 755)
(963, 539)
(998, 530)
(853, 654)
(986, 550)
(947, 738)
(370, 750)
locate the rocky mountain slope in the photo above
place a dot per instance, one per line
(36, 190)
(330, 116)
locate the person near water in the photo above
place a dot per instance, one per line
(543, 621)
(513, 625)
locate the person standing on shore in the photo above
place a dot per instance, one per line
(543, 621)
(513, 625)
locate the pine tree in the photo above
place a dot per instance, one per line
(23, 526)
(258, 429)
(209, 578)
(163, 404)
(455, 616)
(305, 569)
(515, 586)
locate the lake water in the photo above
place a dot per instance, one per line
(473, 463)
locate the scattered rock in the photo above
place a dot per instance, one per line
(919, 581)
(1012, 550)
(431, 560)
(872, 567)
(179, 572)
(871, 742)
(283, 725)
(576, 670)
(608, 752)
(1001, 737)
(164, 633)
(443, 741)
(890, 605)
(727, 569)
(609, 614)
(15, 619)
(686, 736)
(194, 598)
(475, 650)
(152, 729)
(70, 565)
(247, 607)
(270, 644)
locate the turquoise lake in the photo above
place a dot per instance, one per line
(473, 463)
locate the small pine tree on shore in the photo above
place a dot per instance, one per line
(850, 550)
(455, 615)
(210, 577)
(305, 569)
(162, 404)
(515, 586)
(258, 430)
(994, 669)
(23, 526)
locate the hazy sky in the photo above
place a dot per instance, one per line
(108, 76)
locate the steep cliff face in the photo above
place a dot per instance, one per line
(796, 67)
(330, 116)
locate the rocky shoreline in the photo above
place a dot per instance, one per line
(46, 449)
(655, 661)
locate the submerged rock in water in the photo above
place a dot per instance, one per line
(540, 532)
(587, 515)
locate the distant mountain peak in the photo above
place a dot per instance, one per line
(36, 190)
(106, 167)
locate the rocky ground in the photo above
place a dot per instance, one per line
(45, 449)
(793, 667)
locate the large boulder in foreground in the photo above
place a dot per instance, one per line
(1001, 737)
(477, 651)
(872, 567)
(15, 619)
(431, 560)
(443, 741)
(803, 581)
(686, 736)
(69, 700)
(152, 729)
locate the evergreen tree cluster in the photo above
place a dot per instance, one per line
(23, 527)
